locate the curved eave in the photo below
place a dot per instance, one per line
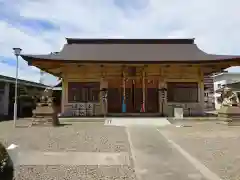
(210, 66)
(29, 59)
(59, 84)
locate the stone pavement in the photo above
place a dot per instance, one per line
(156, 159)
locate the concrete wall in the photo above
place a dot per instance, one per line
(164, 74)
(4, 99)
(2, 85)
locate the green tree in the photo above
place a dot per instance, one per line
(6, 164)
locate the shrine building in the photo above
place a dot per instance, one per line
(140, 76)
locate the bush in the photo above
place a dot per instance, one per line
(6, 164)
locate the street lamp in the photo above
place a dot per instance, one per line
(17, 52)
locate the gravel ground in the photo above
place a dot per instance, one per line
(216, 146)
(77, 137)
(75, 173)
(86, 137)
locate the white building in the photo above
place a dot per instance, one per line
(7, 93)
(220, 80)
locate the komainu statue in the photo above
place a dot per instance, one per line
(45, 112)
(230, 109)
(228, 98)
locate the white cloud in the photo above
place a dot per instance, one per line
(31, 74)
(214, 24)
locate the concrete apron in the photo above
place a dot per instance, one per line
(70, 158)
(136, 121)
(82, 119)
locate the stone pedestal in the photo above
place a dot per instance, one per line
(45, 114)
(231, 114)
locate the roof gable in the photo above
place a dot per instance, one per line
(130, 51)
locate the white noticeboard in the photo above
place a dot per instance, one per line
(178, 112)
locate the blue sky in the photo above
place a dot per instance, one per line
(40, 26)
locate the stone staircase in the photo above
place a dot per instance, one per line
(137, 121)
(134, 115)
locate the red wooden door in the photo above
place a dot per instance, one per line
(138, 100)
(114, 100)
(152, 96)
(129, 102)
(114, 96)
(138, 95)
(129, 95)
(133, 95)
(152, 100)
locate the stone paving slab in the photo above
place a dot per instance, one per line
(72, 158)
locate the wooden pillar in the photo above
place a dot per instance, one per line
(124, 107)
(63, 101)
(201, 90)
(161, 92)
(103, 85)
(143, 90)
(160, 99)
